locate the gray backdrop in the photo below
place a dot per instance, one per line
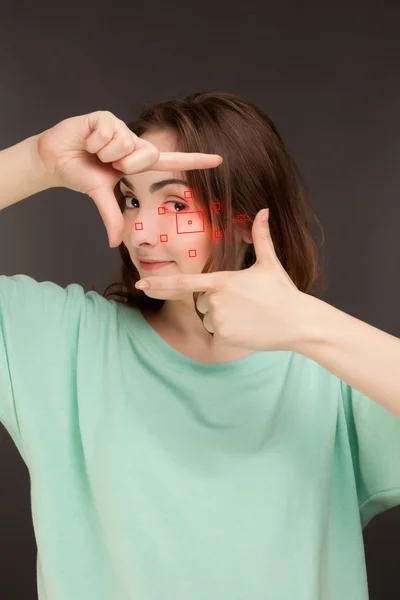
(328, 77)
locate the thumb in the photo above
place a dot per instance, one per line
(110, 213)
(263, 245)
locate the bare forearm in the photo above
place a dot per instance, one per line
(363, 356)
(22, 173)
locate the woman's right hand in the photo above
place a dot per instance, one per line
(90, 153)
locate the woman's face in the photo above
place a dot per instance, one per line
(163, 223)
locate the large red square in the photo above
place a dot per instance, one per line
(190, 221)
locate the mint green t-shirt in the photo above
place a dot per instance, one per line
(158, 477)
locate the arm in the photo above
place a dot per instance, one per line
(363, 356)
(22, 173)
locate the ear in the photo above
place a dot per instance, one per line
(247, 237)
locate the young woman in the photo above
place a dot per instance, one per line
(222, 433)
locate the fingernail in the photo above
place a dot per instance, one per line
(141, 285)
(265, 215)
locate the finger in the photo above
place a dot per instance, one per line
(141, 159)
(122, 144)
(208, 324)
(201, 282)
(202, 304)
(186, 161)
(110, 214)
(103, 127)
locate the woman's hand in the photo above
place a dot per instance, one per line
(259, 308)
(90, 153)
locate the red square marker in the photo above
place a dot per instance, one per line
(139, 225)
(191, 253)
(187, 194)
(216, 206)
(161, 210)
(241, 218)
(194, 224)
(165, 236)
(218, 233)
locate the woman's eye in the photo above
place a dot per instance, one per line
(181, 204)
(126, 198)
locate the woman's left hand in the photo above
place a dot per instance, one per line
(259, 308)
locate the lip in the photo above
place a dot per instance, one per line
(151, 266)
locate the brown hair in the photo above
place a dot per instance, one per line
(257, 172)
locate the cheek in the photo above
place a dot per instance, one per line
(192, 251)
(192, 236)
(194, 246)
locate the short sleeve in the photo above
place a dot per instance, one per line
(39, 322)
(374, 434)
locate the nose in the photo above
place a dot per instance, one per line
(145, 228)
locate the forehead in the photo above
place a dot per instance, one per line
(165, 140)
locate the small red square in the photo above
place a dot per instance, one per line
(187, 194)
(189, 222)
(218, 233)
(139, 225)
(191, 253)
(165, 236)
(216, 206)
(241, 218)
(161, 210)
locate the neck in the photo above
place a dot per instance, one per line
(178, 324)
(181, 317)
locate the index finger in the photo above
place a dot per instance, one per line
(193, 282)
(186, 161)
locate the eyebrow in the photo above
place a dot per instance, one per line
(158, 185)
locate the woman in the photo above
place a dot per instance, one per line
(203, 437)
(221, 205)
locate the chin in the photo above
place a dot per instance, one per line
(167, 295)
(161, 295)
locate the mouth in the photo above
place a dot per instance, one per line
(151, 266)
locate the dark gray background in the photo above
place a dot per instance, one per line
(328, 77)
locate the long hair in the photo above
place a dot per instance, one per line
(257, 172)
